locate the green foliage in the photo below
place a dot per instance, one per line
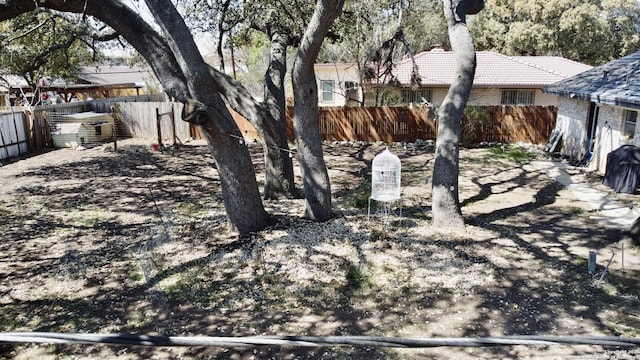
(475, 121)
(592, 31)
(359, 198)
(42, 44)
(365, 25)
(377, 35)
(512, 153)
(357, 278)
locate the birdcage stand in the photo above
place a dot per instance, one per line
(384, 209)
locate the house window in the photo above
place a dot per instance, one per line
(518, 97)
(629, 128)
(416, 96)
(326, 87)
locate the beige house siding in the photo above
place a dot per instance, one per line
(492, 97)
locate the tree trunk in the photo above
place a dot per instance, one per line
(178, 64)
(317, 187)
(245, 212)
(279, 176)
(445, 200)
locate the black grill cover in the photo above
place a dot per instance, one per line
(623, 169)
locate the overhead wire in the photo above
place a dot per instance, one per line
(243, 141)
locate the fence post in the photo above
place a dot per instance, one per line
(113, 129)
(27, 132)
(173, 125)
(15, 128)
(158, 127)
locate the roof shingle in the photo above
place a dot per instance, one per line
(614, 83)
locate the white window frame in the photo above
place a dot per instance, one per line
(327, 95)
(518, 97)
(629, 123)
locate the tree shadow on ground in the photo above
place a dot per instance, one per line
(100, 251)
(532, 300)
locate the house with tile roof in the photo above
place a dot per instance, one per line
(499, 79)
(598, 110)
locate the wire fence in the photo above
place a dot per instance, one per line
(86, 129)
(313, 341)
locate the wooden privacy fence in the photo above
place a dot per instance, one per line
(509, 124)
(370, 124)
(26, 130)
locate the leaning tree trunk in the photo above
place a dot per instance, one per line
(445, 200)
(243, 204)
(178, 64)
(315, 178)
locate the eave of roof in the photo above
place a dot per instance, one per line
(615, 83)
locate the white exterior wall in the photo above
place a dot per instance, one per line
(339, 74)
(573, 120)
(544, 99)
(438, 95)
(485, 97)
(492, 96)
(609, 134)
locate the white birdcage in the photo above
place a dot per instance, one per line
(385, 177)
(385, 182)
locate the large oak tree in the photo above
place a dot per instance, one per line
(315, 177)
(169, 48)
(445, 201)
(268, 114)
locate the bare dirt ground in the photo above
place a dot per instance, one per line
(134, 241)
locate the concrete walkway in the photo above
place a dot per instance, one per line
(610, 213)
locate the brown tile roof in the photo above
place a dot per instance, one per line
(437, 68)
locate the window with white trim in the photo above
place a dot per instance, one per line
(518, 97)
(629, 127)
(416, 96)
(327, 88)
